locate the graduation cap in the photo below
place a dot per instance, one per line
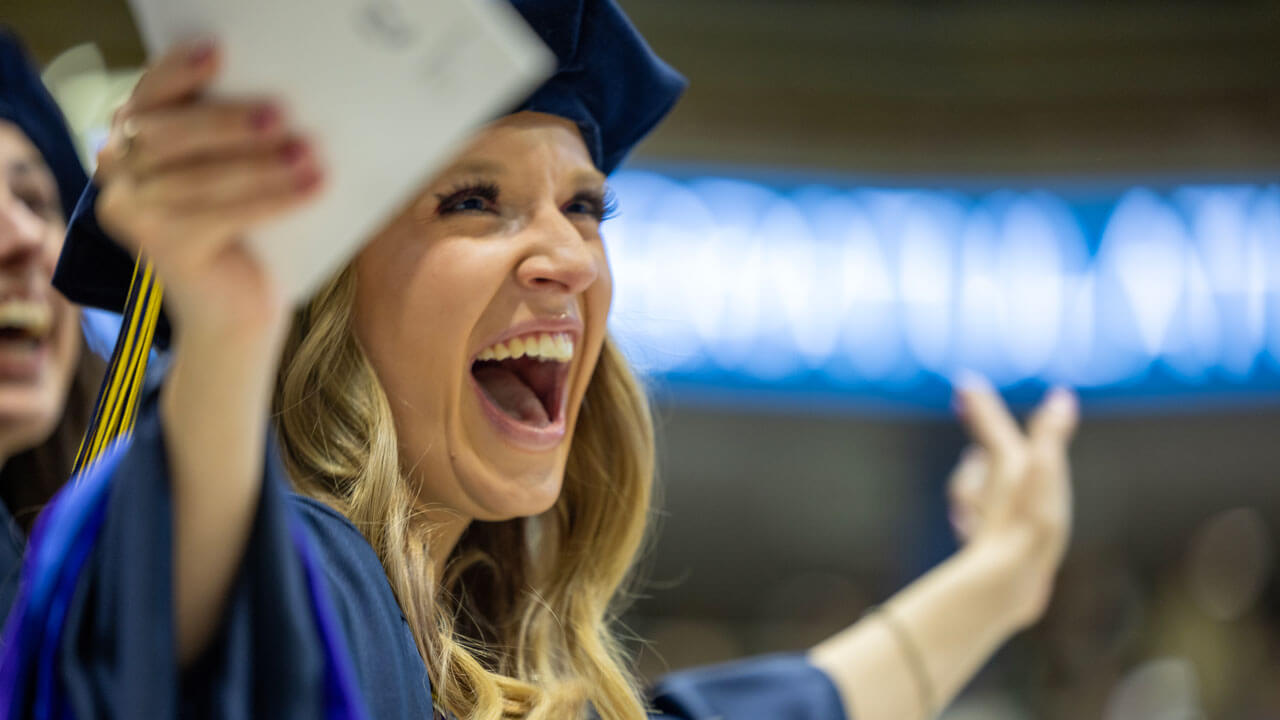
(25, 102)
(607, 81)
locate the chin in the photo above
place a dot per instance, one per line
(504, 494)
(28, 416)
(34, 380)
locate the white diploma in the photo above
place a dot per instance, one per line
(387, 89)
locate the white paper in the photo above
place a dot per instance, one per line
(388, 89)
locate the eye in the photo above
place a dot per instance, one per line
(474, 202)
(598, 205)
(36, 202)
(480, 197)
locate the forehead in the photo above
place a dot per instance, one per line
(525, 143)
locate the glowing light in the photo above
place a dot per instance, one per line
(858, 289)
(925, 239)
(1035, 247)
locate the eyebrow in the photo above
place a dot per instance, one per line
(475, 167)
(589, 179)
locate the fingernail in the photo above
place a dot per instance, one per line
(201, 53)
(964, 380)
(293, 151)
(308, 179)
(1062, 400)
(264, 117)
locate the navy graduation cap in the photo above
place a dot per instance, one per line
(607, 81)
(25, 102)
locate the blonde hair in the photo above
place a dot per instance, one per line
(521, 624)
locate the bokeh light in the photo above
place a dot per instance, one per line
(884, 293)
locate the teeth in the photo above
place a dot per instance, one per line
(557, 347)
(33, 318)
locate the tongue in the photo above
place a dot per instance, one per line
(510, 393)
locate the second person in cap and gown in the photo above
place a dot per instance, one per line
(48, 377)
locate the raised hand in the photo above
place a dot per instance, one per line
(182, 178)
(1011, 491)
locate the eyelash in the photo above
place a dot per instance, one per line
(603, 206)
(450, 201)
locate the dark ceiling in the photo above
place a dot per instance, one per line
(1184, 89)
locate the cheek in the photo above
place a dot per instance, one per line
(417, 306)
(599, 297)
(54, 238)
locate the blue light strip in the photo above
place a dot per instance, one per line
(879, 294)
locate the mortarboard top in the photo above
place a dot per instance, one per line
(607, 81)
(25, 102)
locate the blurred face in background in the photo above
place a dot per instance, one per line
(483, 309)
(39, 346)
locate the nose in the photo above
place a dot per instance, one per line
(560, 259)
(22, 235)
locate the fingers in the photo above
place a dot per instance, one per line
(985, 416)
(223, 183)
(1050, 430)
(216, 200)
(1054, 422)
(1019, 464)
(171, 136)
(177, 237)
(965, 490)
(178, 77)
(231, 220)
(183, 72)
(965, 486)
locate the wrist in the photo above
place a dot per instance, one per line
(227, 332)
(996, 568)
(239, 360)
(249, 313)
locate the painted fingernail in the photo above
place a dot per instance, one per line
(293, 151)
(308, 179)
(264, 117)
(201, 53)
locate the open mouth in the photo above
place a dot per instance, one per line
(526, 378)
(24, 324)
(25, 327)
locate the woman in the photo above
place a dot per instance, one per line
(472, 457)
(46, 378)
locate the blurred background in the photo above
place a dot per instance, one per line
(856, 201)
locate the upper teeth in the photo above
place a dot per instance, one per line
(32, 317)
(548, 346)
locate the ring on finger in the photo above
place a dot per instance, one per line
(129, 137)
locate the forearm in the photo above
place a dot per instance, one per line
(214, 406)
(955, 617)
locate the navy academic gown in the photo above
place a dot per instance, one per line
(115, 654)
(12, 542)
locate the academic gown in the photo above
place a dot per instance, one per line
(310, 624)
(12, 542)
